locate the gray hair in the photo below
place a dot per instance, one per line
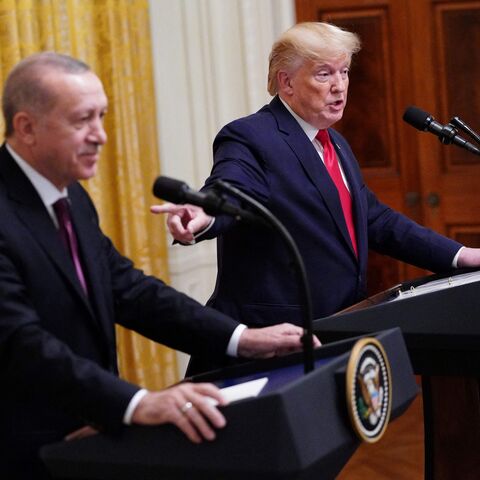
(25, 88)
(315, 41)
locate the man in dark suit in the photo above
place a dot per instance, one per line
(64, 285)
(287, 157)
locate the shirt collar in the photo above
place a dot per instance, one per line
(47, 191)
(310, 130)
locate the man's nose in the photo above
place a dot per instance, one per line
(339, 82)
(97, 132)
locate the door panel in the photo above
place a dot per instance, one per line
(452, 172)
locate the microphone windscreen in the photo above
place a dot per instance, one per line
(416, 117)
(169, 189)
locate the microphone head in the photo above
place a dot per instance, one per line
(169, 189)
(417, 118)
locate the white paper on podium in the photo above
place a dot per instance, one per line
(440, 284)
(242, 390)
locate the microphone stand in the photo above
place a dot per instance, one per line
(306, 302)
(458, 122)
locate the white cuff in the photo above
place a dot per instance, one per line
(135, 400)
(201, 232)
(232, 348)
(455, 258)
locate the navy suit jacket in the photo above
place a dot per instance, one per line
(268, 156)
(58, 362)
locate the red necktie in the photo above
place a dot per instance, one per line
(331, 162)
(69, 239)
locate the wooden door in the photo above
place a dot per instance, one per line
(414, 52)
(449, 86)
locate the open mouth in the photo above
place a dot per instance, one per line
(336, 106)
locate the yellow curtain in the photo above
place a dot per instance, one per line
(113, 37)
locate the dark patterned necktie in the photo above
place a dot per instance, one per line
(69, 239)
(331, 162)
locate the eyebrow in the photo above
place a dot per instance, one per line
(330, 66)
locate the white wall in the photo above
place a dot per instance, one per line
(210, 66)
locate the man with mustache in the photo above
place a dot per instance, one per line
(287, 157)
(64, 285)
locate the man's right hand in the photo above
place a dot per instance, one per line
(189, 406)
(183, 221)
(276, 340)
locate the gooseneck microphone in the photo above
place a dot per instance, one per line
(179, 192)
(447, 134)
(303, 285)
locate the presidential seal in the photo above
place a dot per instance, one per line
(369, 389)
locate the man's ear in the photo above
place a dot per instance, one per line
(24, 127)
(284, 82)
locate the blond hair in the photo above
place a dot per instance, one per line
(315, 41)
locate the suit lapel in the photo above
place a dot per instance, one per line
(313, 167)
(38, 221)
(31, 211)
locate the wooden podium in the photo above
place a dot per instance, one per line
(439, 317)
(297, 428)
